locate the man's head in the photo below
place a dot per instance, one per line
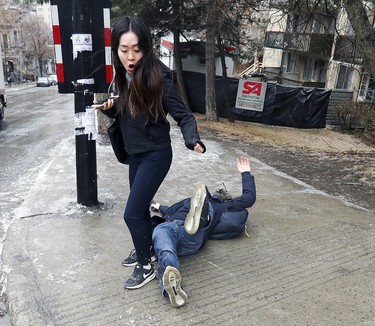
(222, 194)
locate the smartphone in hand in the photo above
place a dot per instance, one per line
(100, 105)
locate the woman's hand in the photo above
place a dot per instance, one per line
(198, 148)
(104, 105)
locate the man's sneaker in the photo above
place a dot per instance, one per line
(198, 209)
(140, 277)
(172, 284)
(131, 260)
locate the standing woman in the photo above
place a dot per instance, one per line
(147, 93)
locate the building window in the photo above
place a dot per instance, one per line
(319, 73)
(296, 23)
(331, 25)
(202, 61)
(349, 29)
(324, 24)
(307, 70)
(317, 25)
(274, 40)
(367, 90)
(291, 66)
(5, 41)
(344, 78)
(314, 70)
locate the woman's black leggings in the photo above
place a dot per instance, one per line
(146, 173)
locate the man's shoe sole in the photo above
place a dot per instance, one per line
(172, 284)
(193, 218)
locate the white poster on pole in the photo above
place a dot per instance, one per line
(81, 42)
(251, 94)
(91, 123)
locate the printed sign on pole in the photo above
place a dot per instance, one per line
(251, 94)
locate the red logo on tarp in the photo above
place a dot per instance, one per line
(251, 87)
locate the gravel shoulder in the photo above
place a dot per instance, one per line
(339, 164)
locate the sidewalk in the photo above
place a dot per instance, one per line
(16, 87)
(309, 258)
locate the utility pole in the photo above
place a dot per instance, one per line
(86, 169)
(83, 67)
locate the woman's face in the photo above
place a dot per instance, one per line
(129, 52)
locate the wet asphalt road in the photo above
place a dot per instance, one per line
(36, 119)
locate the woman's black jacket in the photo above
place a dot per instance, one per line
(141, 136)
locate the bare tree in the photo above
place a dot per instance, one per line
(38, 38)
(222, 24)
(211, 16)
(361, 17)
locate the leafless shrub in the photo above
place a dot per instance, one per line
(359, 117)
(366, 113)
(346, 115)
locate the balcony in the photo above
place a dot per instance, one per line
(313, 44)
(346, 50)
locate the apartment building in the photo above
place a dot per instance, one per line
(316, 50)
(19, 59)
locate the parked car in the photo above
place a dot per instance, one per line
(3, 104)
(3, 97)
(43, 82)
(53, 79)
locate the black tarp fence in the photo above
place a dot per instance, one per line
(287, 106)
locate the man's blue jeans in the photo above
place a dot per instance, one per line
(170, 240)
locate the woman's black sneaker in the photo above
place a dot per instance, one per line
(131, 260)
(140, 277)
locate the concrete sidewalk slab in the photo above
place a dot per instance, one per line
(308, 260)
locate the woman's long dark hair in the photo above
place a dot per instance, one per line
(145, 90)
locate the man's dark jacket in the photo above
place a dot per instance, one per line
(229, 217)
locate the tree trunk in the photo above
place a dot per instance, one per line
(40, 62)
(178, 66)
(225, 80)
(211, 114)
(364, 31)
